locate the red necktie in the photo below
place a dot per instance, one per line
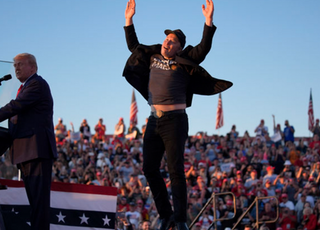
(19, 90)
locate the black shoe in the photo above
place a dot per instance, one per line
(167, 223)
(182, 226)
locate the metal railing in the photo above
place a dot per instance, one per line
(255, 202)
(213, 198)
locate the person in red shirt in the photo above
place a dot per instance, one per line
(123, 205)
(239, 189)
(286, 219)
(141, 208)
(187, 163)
(204, 160)
(315, 144)
(100, 129)
(268, 215)
(309, 220)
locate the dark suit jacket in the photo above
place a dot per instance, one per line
(137, 70)
(33, 134)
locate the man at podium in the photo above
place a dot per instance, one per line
(5, 140)
(33, 145)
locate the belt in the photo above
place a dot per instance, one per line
(160, 113)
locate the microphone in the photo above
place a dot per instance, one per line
(5, 78)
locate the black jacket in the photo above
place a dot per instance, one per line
(137, 70)
(33, 134)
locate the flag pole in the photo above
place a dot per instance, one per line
(310, 101)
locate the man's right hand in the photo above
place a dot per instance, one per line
(130, 11)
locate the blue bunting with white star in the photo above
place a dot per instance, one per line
(97, 209)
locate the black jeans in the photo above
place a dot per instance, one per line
(167, 134)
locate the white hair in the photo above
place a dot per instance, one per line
(31, 59)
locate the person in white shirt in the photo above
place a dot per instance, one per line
(133, 216)
(285, 201)
(252, 181)
(119, 129)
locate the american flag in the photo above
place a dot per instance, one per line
(310, 113)
(133, 109)
(73, 206)
(219, 118)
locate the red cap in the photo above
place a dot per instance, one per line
(238, 172)
(250, 193)
(229, 202)
(270, 168)
(284, 195)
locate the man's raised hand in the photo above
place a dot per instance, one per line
(130, 11)
(208, 12)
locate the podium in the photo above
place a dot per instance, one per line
(1, 217)
(5, 140)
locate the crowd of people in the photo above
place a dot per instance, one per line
(283, 172)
